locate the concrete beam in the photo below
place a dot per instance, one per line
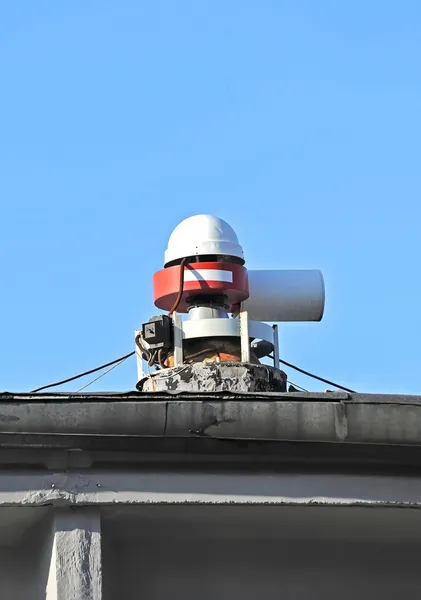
(96, 488)
(311, 417)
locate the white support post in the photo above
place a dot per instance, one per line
(178, 340)
(275, 347)
(244, 337)
(139, 360)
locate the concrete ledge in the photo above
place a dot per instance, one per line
(285, 417)
(179, 487)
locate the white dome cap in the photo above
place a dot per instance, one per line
(202, 234)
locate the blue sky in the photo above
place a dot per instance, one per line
(297, 122)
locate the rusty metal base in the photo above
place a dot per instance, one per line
(216, 377)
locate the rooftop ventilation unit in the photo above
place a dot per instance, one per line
(218, 346)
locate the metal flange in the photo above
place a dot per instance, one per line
(204, 328)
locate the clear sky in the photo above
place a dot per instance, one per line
(298, 122)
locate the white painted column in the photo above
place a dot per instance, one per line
(75, 571)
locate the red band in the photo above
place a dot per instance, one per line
(213, 278)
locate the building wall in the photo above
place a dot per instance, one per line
(62, 549)
(266, 569)
(25, 552)
(254, 555)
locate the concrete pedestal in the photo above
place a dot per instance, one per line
(216, 377)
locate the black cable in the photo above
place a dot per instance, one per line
(340, 387)
(180, 288)
(113, 362)
(117, 360)
(295, 385)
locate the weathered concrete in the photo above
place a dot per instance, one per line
(75, 570)
(332, 417)
(298, 417)
(207, 486)
(99, 523)
(155, 552)
(214, 543)
(216, 377)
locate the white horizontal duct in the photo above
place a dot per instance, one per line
(277, 295)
